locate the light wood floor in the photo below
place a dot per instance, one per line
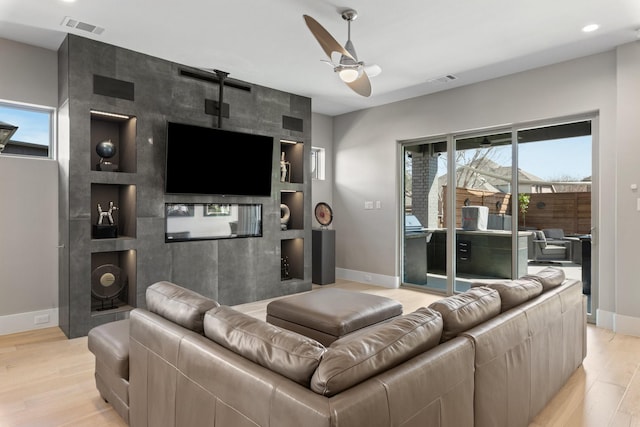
(47, 380)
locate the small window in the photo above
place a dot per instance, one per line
(317, 163)
(34, 135)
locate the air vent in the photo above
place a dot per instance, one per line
(444, 79)
(82, 26)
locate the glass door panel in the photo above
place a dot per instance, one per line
(483, 205)
(424, 234)
(557, 162)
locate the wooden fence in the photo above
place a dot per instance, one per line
(569, 211)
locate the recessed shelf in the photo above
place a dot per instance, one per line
(294, 202)
(123, 213)
(120, 130)
(292, 251)
(294, 157)
(113, 281)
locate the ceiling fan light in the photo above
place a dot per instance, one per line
(349, 75)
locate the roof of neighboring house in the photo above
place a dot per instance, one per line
(494, 178)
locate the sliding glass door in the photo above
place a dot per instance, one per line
(479, 208)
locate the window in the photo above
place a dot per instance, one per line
(317, 163)
(34, 136)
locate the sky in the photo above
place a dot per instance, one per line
(33, 126)
(557, 158)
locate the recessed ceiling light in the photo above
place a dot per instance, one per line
(69, 1)
(590, 28)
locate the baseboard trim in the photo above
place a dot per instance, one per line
(391, 282)
(619, 323)
(627, 325)
(605, 319)
(22, 322)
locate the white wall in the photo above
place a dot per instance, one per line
(366, 163)
(28, 201)
(625, 314)
(28, 252)
(28, 74)
(322, 137)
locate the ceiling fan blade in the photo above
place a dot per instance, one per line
(373, 70)
(361, 85)
(326, 40)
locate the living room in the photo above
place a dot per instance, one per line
(360, 145)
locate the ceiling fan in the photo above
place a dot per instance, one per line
(351, 71)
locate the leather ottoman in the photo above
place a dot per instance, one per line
(328, 314)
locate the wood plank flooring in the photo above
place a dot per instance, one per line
(46, 380)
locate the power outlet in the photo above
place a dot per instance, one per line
(41, 319)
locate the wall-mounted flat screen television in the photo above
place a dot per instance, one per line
(202, 160)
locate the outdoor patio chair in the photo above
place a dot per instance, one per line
(543, 250)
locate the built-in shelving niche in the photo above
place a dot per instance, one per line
(294, 157)
(124, 199)
(292, 250)
(113, 281)
(120, 129)
(294, 200)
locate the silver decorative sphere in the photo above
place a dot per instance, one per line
(106, 149)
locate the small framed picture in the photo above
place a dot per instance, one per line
(217, 209)
(179, 209)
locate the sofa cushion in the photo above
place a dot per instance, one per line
(288, 353)
(515, 292)
(372, 350)
(550, 277)
(466, 310)
(179, 305)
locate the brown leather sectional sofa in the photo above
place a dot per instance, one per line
(492, 356)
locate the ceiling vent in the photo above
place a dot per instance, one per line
(82, 26)
(444, 79)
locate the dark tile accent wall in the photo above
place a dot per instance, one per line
(232, 271)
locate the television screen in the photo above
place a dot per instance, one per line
(203, 160)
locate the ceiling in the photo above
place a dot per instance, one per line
(416, 42)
